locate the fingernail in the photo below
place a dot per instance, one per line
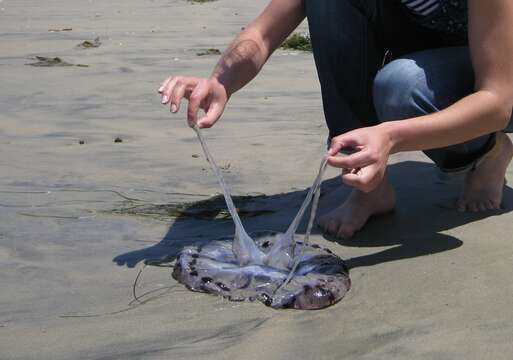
(160, 89)
(173, 108)
(164, 99)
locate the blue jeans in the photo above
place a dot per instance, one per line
(428, 72)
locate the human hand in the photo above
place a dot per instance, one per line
(202, 93)
(365, 168)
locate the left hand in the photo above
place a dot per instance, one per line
(365, 168)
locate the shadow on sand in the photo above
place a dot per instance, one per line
(424, 210)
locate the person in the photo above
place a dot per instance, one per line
(448, 90)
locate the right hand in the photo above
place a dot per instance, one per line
(202, 93)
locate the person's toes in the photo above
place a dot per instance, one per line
(482, 206)
(345, 232)
(461, 205)
(497, 205)
(473, 207)
(322, 223)
(332, 227)
(489, 205)
(326, 225)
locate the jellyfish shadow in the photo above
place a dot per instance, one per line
(425, 209)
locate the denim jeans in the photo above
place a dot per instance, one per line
(428, 72)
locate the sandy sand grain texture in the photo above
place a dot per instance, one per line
(428, 283)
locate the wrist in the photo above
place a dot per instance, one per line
(220, 84)
(392, 133)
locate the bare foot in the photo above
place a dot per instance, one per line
(352, 215)
(483, 186)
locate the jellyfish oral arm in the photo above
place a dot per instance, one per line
(286, 244)
(244, 247)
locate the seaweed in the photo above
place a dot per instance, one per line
(59, 30)
(43, 61)
(211, 51)
(87, 44)
(298, 41)
(46, 62)
(212, 208)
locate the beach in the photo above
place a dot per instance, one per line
(92, 164)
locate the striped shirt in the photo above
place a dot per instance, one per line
(422, 7)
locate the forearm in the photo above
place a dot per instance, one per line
(480, 113)
(241, 61)
(246, 55)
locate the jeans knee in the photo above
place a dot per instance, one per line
(400, 91)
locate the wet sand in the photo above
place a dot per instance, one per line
(428, 282)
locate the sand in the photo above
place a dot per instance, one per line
(428, 282)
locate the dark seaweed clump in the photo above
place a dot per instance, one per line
(43, 61)
(213, 208)
(298, 41)
(87, 44)
(211, 51)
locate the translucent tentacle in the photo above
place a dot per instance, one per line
(244, 247)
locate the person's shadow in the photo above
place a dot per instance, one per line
(425, 208)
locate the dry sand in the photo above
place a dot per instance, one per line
(428, 283)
